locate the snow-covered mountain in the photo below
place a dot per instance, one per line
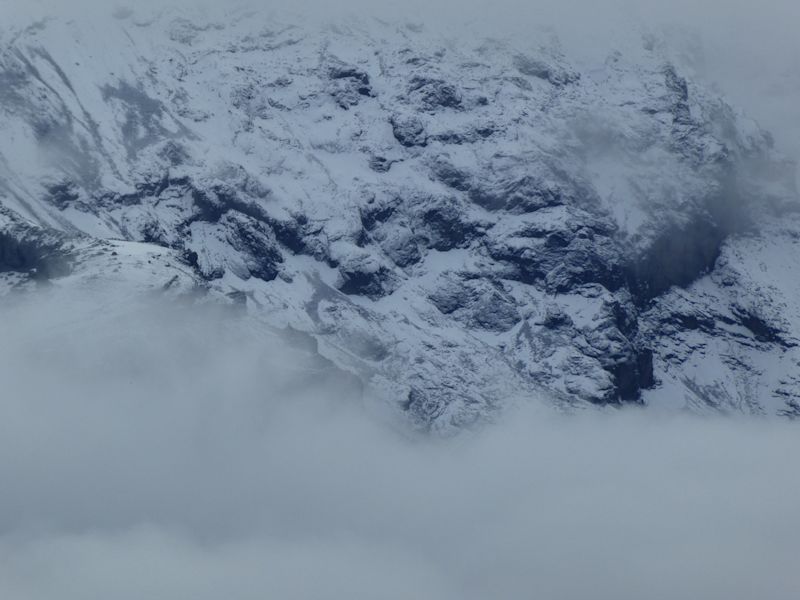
(464, 223)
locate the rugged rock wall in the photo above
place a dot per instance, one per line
(463, 223)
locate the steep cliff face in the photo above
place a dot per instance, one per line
(463, 223)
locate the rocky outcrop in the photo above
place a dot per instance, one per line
(27, 249)
(460, 227)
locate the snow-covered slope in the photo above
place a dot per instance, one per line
(462, 222)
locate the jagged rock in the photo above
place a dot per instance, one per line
(365, 276)
(443, 223)
(479, 224)
(255, 242)
(349, 85)
(434, 94)
(64, 194)
(380, 164)
(25, 248)
(408, 130)
(523, 185)
(535, 67)
(477, 304)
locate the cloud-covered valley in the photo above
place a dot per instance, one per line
(161, 451)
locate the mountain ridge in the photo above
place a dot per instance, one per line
(462, 225)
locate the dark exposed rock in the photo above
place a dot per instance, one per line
(190, 258)
(400, 244)
(153, 233)
(678, 98)
(256, 242)
(451, 176)
(349, 85)
(173, 153)
(434, 93)
(477, 304)
(692, 322)
(33, 251)
(342, 71)
(424, 408)
(364, 276)
(521, 195)
(560, 261)
(541, 69)
(290, 234)
(761, 330)
(555, 318)
(634, 375)
(443, 224)
(792, 410)
(243, 224)
(63, 194)
(151, 188)
(455, 137)
(515, 184)
(582, 262)
(380, 164)
(612, 342)
(408, 130)
(251, 99)
(379, 211)
(468, 135)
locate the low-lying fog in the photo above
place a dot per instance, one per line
(153, 450)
